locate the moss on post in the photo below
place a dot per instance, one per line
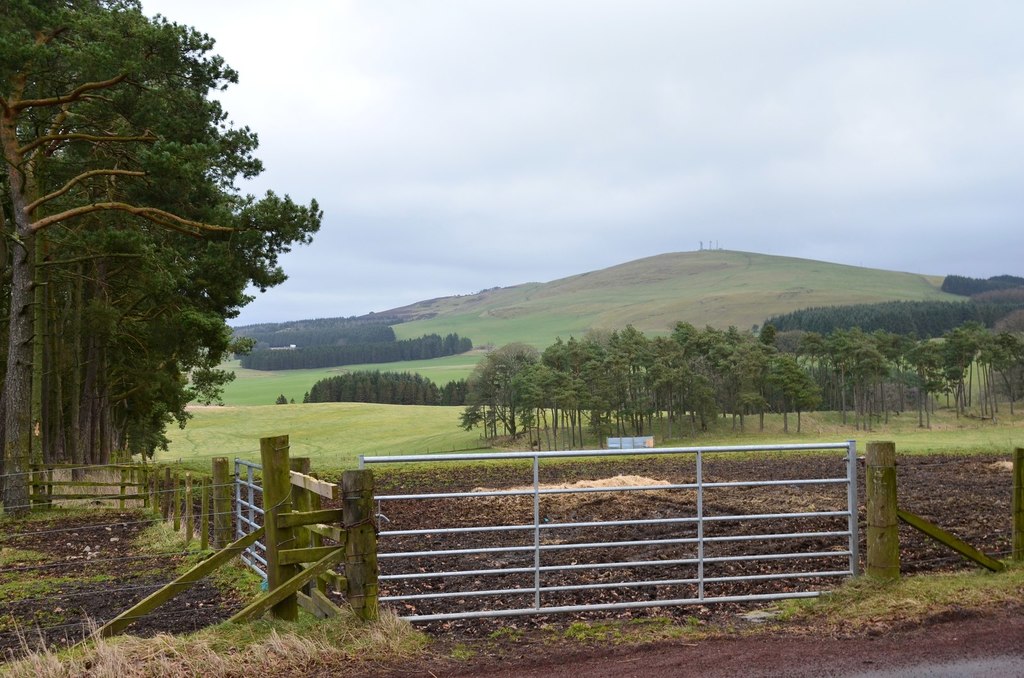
(204, 515)
(883, 559)
(221, 503)
(277, 500)
(177, 502)
(361, 548)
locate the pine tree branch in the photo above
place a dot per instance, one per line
(76, 180)
(72, 96)
(96, 138)
(157, 216)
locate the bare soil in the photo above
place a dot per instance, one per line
(969, 496)
(93, 570)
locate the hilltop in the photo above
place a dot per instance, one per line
(720, 288)
(713, 287)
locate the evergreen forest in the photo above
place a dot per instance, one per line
(623, 383)
(310, 357)
(127, 244)
(319, 332)
(922, 319)
(390, 388)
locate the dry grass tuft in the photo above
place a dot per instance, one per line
(266, 649)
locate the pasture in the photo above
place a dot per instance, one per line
(333, 435)
(257, 387)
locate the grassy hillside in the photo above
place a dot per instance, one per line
(719, 288)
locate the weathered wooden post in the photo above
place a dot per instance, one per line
(301, 500)
(177, 502)
(277, 500)
(221, 503)
(361, 547)
(143, 486)
(165, 499)
(1018, 504)
(123, 490)
(883, 560)
(204, 515)
(154, 497)
(189, 518)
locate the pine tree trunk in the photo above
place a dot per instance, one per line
(38, 349)
(18, 381)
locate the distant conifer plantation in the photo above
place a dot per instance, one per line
(969, 287)
(923, 319)
(332, 342)
(389, 388)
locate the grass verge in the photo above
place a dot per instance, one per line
(266, 649)
(864, 604)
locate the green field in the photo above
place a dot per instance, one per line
(255, 387)
(333, 435)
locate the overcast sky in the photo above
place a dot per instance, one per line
(459, 145)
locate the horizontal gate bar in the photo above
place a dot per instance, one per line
(637, 488)
(619, 584)
(647, 452)
(611, 565)
(605, 544)
(611, 523)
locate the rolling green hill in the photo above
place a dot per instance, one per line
(712, 287)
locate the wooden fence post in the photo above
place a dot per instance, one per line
(1018, 504)
(301, 500)
(189, 517)
(143, 488)
(154, 498)
(277, 499)
(221, 503)
(123, 489)
(177, 502)
(204, 515)
(165, 499)
(883, 560)
(361, 547)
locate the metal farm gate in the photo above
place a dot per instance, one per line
(249, 514)
(542, 547)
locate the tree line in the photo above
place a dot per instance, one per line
(320, 332)
(969, 287)
(923, 319)
(311, 357)
(390, 388)
(626, 384)
(126, 245)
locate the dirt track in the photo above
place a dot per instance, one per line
(955, 646)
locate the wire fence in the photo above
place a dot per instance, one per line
(83, 552)
(123, 574)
